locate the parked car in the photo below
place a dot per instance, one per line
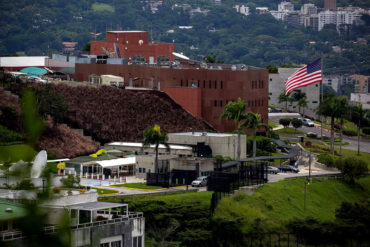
(272, 170)
(307, 122)
(199, 182)
(289, 169)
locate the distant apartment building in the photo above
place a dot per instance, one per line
(242, 9)
(330, 5)
(361, 98)
(286, 6)
(308, 9)
(333, 81)
(361, 83)
(262, 10)
(338, 18)
(277, 86)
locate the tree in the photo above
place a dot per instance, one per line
(296, 123)
(212, 59)
(360, 117)
(284, 98)
(285, 122)
(352, 167)
(50, 103)
(154, 136)
(342, 112)
(235, 111)
(302, 103)
(272, 68)
(330, 107)
(253, 122)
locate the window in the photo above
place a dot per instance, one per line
(104, 245)
(204, 83)
(210, 84)
(115, 243)
(262, 83)
(270, 79)
(143, 170)
(198, 83)
(137, 241)
(215, 103)
(221, 84)
(221, 103)
(187, 83)
(139, 170)
(181, 83)
(215, 83)
(252, 84)
(314, 102)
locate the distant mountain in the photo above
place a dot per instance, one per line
(36, 27)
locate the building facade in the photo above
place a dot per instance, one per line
(207, 90)
(361, 83)
(277, 86)
(132, 45)
(330, 5)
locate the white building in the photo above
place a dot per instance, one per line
(332, 81)
(309, 9)
(262, 10)
(279, 15)
(242, 9)
(338, 18)
(277, 86)
(286, 6)
(361, 98)
(327, 17)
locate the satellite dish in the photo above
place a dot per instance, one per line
(17, 166)
(39, 164)
(178, 55)
(141, 42)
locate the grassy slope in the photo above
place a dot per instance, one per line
(284, 200)
(142, 186)
(105, 191)
(288, 131)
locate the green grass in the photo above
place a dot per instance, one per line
(345, 153)
(142, 186)
(203, 198)
(98, 7)
(288, 131)
(14, 153)
(273, 125)
(105, 191)
(284, 200)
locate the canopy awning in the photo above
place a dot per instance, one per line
(117, 162)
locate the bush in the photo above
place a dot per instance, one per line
(285, 122)
(56, 190)
(311, 135)
(349, 132)
(24, 185)
(326, 159)
(336, 140)
(262, 143)
(308, 144)
(70, 181)
(366, 130)
(351, 167)
(7, 135)
(296, 123)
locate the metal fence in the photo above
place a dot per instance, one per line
(173, 178)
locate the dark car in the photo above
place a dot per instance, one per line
(272, 170)
(289, 169)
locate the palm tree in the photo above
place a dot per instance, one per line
(154, 136)
(253, 122)
(235, 111)
(302, 103)
(342, 113)
(284, 98)
(331, 107)
(360, 117)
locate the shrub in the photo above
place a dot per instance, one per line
(351, 167)
(262, 143)
(56, 190)
(326, 159)
(285, 122)
(7, 135)
(24, 185)
(366, 130)
(311, 135)
(296, 123)
(308, 144)
(336, 140)
(70, 181)
(349, 132)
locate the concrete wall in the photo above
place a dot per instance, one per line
(277, 85)
(221, 144)
(133, 149)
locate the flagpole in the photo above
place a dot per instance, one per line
(322, 92)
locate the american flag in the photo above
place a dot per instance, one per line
(305, 76)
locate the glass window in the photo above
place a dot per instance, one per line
(220, 102)
(215, 103)
(210, 84)
(221, 84)
(181, 83)
(198, 83)
(204, 83)
(134, 242)
(187, 83)
(116, 244)
(104, 245)
(215, 83)
(143, 170)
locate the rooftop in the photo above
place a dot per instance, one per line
(140, 145)
(203, 134)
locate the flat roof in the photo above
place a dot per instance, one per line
(202, 134)
(140, 145)
(96, 205)
(134, 31)
(22, 61)
(117, 162)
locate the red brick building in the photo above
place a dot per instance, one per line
(130, 44)
(202, 92)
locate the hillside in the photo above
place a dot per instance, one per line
(38, 27)
(111, 114)
(58, 140)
